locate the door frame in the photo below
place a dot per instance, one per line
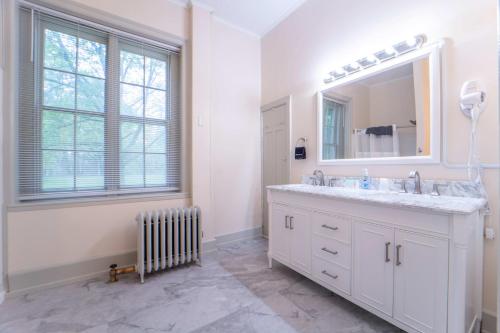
(287, 101)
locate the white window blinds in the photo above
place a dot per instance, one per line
(98, 113)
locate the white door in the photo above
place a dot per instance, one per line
(373, 265)
(421, 280)
(280, 242)
(275, 149)
(300, 244)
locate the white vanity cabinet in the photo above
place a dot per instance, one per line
(402, 274)
(418, 268)
(421, 281)
(374, 265)
(293, 246)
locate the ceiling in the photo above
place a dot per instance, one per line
(254, 16)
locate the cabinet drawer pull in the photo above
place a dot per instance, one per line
(286, 222)
(387, 251)
(329, 275)
(398, 248)
(326, 226)
(291, 223)
(329, 251)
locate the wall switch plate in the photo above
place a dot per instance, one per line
(200, 120)
(489, 233)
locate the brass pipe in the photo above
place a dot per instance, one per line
(114, 271)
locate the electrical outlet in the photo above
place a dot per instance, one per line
(489, 233)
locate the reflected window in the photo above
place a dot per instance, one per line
(335, 129)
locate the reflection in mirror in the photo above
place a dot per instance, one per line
(383, 115)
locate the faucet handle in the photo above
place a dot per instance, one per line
(331, 181)
(435, 189)
(402, 182)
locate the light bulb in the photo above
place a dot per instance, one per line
(411, 42)
(389, 50)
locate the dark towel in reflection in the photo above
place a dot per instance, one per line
(380, 130)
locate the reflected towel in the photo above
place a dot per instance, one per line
(380, 130)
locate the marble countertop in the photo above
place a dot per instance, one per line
(440, 204)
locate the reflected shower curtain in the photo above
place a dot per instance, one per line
(333, 129)
(371, 145)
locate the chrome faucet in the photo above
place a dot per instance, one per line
(416, 176)
(321, 176)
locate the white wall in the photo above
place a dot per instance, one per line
(313, 40)
(236, 129)
(392, 102)
(201, 81)
(47, 237)
(2, 201)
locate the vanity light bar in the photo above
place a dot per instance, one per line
(388, 53)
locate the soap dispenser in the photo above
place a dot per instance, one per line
(365, 180)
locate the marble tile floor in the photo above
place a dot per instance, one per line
(233, 291)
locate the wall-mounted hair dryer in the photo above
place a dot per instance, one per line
(472, 104)
(472, 97)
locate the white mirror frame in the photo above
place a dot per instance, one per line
(431, 52)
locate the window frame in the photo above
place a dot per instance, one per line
(110, 189)
(347, 104)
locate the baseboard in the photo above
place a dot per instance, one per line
(489, 322)
(60, 275)
(474, 327)
(237, 236)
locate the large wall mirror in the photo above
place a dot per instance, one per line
(387, 114)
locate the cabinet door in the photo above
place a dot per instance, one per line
(280, 233)
(300, 247)
(373, 266)
(421, 280)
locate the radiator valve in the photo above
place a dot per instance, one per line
(114, 271)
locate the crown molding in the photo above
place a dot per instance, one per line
(199, 4)
(283, 17)
(211, 10)
(236, 27)
(180, 3)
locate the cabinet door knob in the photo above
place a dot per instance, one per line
(398, 259)
(387, 251)
(329, 275)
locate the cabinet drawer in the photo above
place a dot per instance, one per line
(333, 226)
(332, 250)
(332, 274)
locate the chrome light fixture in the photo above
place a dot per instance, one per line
(368, 61)
(338, 73)
(351, 68)
(409, 45)
(386, 54)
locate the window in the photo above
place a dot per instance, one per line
(335, 131)
(143, 119)
(72, 118)
(98, 113)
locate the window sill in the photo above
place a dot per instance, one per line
(94, 201)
